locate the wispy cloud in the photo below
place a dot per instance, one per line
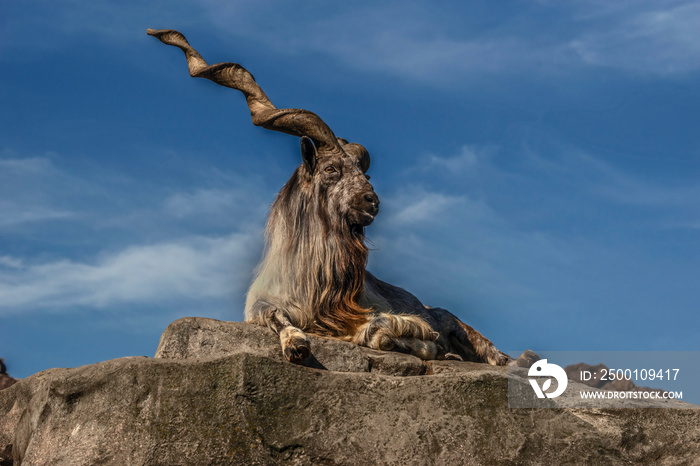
(587, 173)
(467, 158)
(237, 204)
(419, 207)
(11, 214)
(148, 246)
(645, 37)
(411, 41)
(193, 268)
(56, 26)
(23, 194)
(557, 248)
(445, 45)
(380, 37)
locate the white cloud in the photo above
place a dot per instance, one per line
(647, 38)
(11, 262)
(548, 236)
(241, 204)
(418, 207)
(442, 46)
(124, 242)
(63, 24)
(12, 214)
(585, 172)
(25, 192)
(409, 40)
(36, 166)
(193, 268)
(467, 158)
(458, 252)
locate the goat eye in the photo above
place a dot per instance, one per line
(330, 169)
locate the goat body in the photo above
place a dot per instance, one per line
(312, 277)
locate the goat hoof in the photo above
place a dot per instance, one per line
(296, 350)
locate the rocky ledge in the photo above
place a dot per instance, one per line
(221, 393)
(5, 379)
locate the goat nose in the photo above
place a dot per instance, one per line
(372, 198)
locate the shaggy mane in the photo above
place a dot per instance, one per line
(314, 262)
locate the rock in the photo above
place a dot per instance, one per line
(196, 337)
(221, 393)
(5, 379)
(526, 359)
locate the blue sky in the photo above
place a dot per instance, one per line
(538, 165)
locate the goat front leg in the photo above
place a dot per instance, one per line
(460, 339)
(400, 332)
(295, 344)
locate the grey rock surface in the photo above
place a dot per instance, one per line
(197, 337)
(215, 399)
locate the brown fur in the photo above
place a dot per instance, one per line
(328, 259)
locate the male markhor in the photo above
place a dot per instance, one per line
(312, 278)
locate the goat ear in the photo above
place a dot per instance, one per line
(308, 154)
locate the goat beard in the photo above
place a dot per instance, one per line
(339, 312)
(358, 231)
(318, 259)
